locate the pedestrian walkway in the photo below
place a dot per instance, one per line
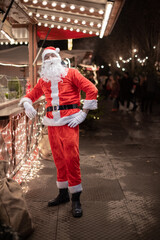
(120, 162)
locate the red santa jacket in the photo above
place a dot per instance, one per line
(64, 92)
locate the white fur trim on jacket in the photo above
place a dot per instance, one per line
(61, 185)
(25, 99)
(77, 188)
(60, 122)
(90, 104)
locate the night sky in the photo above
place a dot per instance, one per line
(137, 22)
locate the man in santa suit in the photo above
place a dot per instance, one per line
(61, 87)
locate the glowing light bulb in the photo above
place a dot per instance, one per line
(101, 12)
(91, 10)
(54, 4)
(63, 5)
(82, 9)
(61, 18)
(72, 7)
(44, 3)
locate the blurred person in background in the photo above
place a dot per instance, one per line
(114, 94)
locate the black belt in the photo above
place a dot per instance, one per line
(61, 107)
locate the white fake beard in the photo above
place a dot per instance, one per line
(52, 70)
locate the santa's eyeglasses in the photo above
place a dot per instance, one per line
(49, 55)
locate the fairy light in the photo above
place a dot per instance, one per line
(61, 19)
(44, 3)
(83, 22)
(37, 15)
(118, 65)
(141, 61)
(72, 7)
(101, 12)
(53, 17)
(65, 28)
(25, 1)
(76, 21)
(45, 16)
(52, 25)
(97, 33)
(54, 4)
(39, 24)
(28, 162)
(91, 10)
(63, 5)
(91, 24)
(68, 19)
(35, 1)
(82, 9)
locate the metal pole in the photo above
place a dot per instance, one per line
(41, 47)
(7, 13)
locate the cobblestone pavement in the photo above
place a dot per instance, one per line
(120, 163)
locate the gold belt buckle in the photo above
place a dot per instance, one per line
(55, 108)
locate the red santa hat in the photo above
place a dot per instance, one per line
(51, 50)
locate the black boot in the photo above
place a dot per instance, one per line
(76, 205)
(62, 197)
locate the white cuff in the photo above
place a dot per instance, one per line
(24, 99)
(90, 104)
(61, 185)
(77, 188)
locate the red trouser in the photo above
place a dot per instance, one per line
(64, 142)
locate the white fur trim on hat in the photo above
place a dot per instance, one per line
(46, 51)
(58, 50)
(90, 104)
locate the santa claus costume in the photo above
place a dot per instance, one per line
(61, 87)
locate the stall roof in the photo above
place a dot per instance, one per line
(67, 18)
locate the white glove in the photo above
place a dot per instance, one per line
(78, 119)
(29, 110)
